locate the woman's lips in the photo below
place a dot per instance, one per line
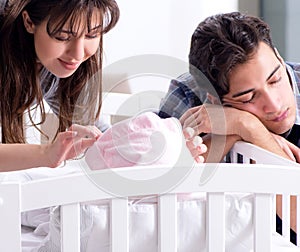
(69, 65)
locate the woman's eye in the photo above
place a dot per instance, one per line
(92, 35)
(63, 38)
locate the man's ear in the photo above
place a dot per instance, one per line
(213, 99)
(29, 25)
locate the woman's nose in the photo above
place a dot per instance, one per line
(76, 49)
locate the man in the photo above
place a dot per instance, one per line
(253, 94)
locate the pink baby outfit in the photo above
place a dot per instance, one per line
(142, 140)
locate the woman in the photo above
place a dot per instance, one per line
(51, 50)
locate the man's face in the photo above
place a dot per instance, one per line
(262, 87)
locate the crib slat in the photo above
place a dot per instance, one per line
(167, 223)
(298, 220)
(215, 222)
(274, 213)
(246, 160)
(10, 219)
(119, 225)
(286, 216)
(233, 156)
(70, 228)
(262, 222)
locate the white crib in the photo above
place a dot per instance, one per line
(71, 191)
(260, 179)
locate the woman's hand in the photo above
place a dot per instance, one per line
(71, 143)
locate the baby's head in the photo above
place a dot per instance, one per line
(142, 140)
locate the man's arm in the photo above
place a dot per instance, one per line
(224, 126)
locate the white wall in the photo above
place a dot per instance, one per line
(283, 17)
(158, 26)
(250, 7)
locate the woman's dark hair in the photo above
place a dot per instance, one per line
(79, 95)
(224, 41)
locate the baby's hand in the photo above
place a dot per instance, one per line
(195, 145)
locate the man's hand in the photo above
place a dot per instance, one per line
(195, 145)
(290, 149)
(233, 123)
(219, 120)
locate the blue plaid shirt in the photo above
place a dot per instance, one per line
(185, 93)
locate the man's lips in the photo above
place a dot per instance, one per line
(281, 117)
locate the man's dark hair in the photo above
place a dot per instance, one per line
(224, 41)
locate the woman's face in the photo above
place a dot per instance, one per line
(63, 54)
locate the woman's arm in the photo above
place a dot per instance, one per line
(67, 145)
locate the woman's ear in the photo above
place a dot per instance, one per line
(29, 25)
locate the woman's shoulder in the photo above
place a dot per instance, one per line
(48, 81)
(2, 6)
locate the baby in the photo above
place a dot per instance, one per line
(142, 140)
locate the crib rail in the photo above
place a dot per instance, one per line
(78, 188)
(249, 153)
